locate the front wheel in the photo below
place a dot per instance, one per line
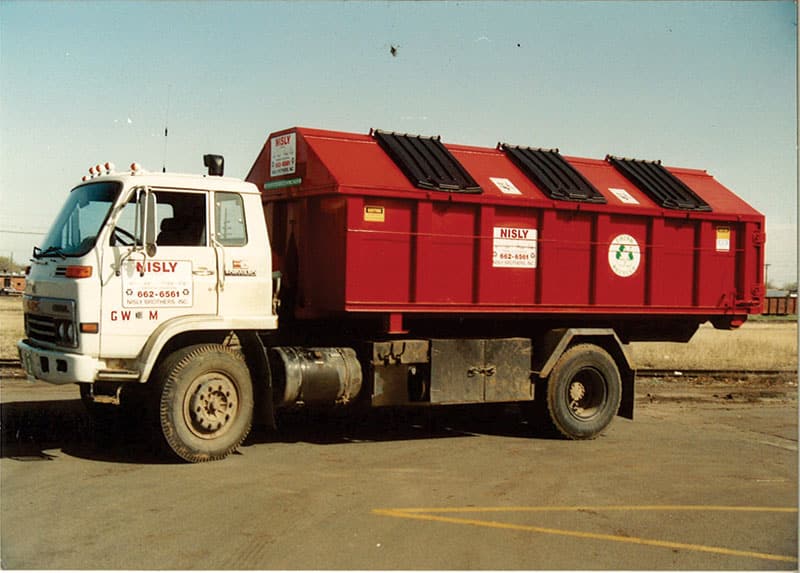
(584, 391)
(206, 402)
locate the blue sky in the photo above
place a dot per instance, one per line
(710, 85)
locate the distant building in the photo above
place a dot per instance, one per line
(11, 283)
(780, 302)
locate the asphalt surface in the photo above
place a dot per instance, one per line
(704, 478)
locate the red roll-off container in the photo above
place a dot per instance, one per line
(522, 234)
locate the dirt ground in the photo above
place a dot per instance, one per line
(705, 477)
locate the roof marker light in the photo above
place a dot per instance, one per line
(91, 171)
(109, 167)
(135, 168)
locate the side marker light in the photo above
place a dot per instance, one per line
(78, 272)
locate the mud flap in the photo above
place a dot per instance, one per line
(255, 355)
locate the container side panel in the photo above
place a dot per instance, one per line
(619, 278)
(566, 257)
(672, 260)
(446, 266)
(379, 246)
(321, 250)
(716, 287)
(509, 256)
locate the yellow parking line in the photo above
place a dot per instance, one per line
(578, 508)
(425, 515)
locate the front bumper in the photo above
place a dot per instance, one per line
(57, 367)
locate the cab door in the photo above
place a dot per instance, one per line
(243, 255)
(140, 293)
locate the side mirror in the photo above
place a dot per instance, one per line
(147, 209)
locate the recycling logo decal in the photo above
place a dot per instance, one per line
(624, 255)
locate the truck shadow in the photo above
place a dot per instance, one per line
(41, 430)
(37, 430)
(394, 424)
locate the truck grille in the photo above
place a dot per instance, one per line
(50, 321)
(41, 328)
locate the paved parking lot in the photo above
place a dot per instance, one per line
(704, 478)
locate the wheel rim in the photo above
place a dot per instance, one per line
(210, 406)
(586, 394)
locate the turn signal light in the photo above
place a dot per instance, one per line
(90, 327)
(78, 272)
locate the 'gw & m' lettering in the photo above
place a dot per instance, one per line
(123, 315)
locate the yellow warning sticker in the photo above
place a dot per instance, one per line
(723, 239)
(374, 214)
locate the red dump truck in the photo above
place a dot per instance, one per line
(382, 269)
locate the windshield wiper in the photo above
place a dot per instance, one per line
(39, 253)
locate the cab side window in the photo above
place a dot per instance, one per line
(125, 227)
(229, 222)
(181, 219)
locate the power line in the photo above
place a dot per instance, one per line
(13, 232)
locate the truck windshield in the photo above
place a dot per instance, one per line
(75, 229)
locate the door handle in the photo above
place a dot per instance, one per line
(203, 272)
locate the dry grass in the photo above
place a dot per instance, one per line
(755, 346)
(11, 326)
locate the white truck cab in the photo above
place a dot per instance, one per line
(135, 259)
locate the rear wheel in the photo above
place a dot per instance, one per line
(205, 402)
(583, 392)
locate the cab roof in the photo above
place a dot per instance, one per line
(131, 178)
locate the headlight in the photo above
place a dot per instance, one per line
(65, 333)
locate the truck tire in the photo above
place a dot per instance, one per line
(205, 402)
(584, 391)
